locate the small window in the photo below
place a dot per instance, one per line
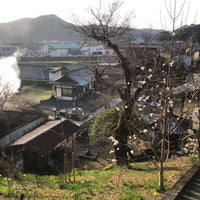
(66, 92)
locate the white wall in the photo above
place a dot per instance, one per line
(59, 52)
(55, 75)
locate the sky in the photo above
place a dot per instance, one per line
(148, 13)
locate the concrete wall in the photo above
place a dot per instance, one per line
(19, 132)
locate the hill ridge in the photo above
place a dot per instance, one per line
(46, 28)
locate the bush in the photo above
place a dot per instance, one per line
(103, 125)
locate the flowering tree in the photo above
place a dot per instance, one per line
(160, 91)
(192, 138)
(157, 70)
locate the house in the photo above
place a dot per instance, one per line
(34, 72)
(96, 50)
(70, 80)
(63, 49)
(18, 128)
(74, 82)
(71, 83)
(33, 151)
(6, 51)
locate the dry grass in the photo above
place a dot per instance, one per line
(139, 183)
(98, 180)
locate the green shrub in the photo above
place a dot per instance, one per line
(103, 124)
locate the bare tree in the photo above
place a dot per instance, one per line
(5, 93)
(9, 79)
(108, 27)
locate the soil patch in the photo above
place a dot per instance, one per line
(104, 157)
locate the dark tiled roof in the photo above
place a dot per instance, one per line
(34, 72)
(46, 137)
(65, 80)
(47, 141)
(54, 104)
(79, 77)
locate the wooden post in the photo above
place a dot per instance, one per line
(65, 167)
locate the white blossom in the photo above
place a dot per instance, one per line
(117, 108)
(150, 76)
(145, 131)
(111, 152)
(140, 98)
(173, 33)
(143, 82)
(116, 142)
(171, 103)
(132, 152)
(190, 131)
(134, 137)
(164, 80)
(151, 114)
(147, 97)
(167, 88)
(111, 138)
(171, 64)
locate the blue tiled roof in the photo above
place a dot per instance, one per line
(64, 46)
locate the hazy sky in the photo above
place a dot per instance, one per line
(149, 13)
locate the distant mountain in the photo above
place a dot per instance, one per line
(47, 27)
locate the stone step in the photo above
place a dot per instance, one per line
(192, 193)
(186, 197)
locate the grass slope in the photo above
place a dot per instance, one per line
(137, 183)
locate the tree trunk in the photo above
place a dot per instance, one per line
(121, 136)
(161, 177)
(162, 158)
(198, 135)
